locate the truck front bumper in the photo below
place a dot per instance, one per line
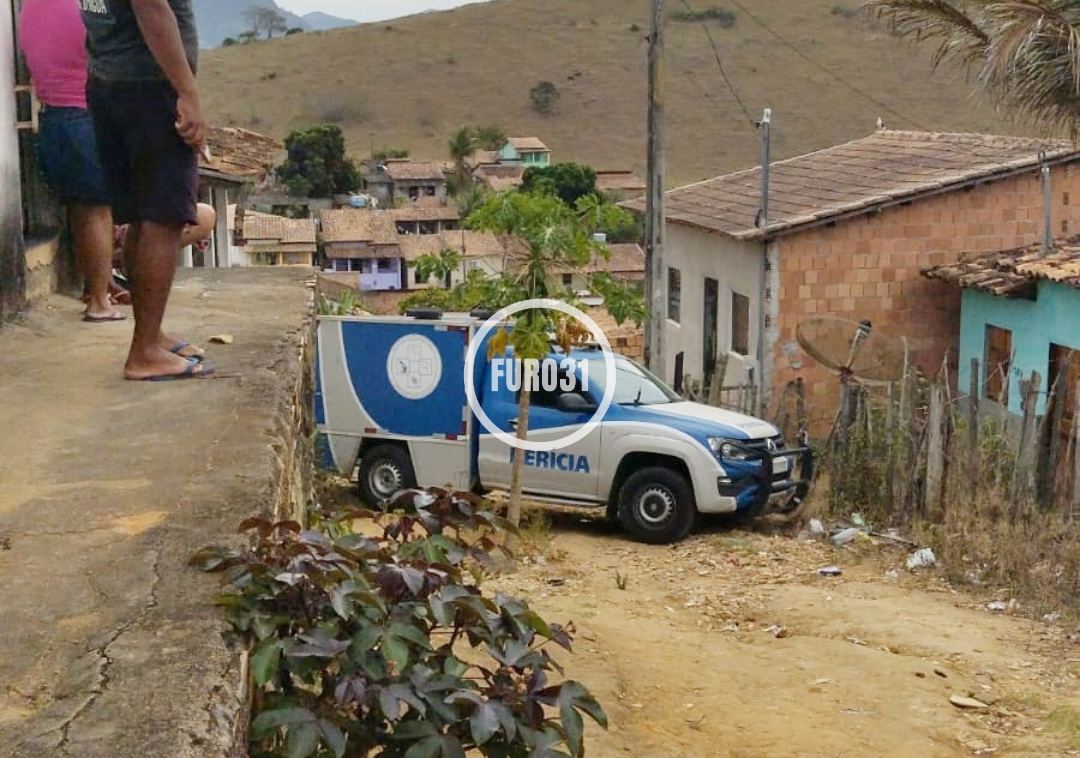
(761, 491)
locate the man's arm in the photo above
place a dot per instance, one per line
(162, 34)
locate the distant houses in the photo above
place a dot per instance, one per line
(266, 240)
(849, 231)
(530, 152)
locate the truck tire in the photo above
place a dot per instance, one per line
(656, 506)
(385, 470)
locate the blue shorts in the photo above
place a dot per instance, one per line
(68, 155)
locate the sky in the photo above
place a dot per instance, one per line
(369, 10)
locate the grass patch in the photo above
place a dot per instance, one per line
(721, 16)
(536, 530)
(1065, 720)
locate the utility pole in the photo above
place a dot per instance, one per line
(655, 293)
(766, 165)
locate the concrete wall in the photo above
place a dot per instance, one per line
(1054, 317)
(737, 266)
(870, 267)
(12, 258)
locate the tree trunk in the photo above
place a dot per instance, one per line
(513, 513)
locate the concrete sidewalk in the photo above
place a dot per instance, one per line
(111, 646)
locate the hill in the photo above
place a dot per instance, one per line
(219, 19)
(410, 82)
(319, 21)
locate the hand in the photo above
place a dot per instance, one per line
(190, 122)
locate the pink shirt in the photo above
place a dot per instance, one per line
(53, 39)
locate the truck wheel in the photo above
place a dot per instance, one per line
(656, 506)
(384, 471)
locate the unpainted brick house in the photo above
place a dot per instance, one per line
(849, 231)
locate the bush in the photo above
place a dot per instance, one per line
(544, 96)
(365, 642)
(722, 16)
(390, 153)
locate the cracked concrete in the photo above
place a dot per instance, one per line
(112, 645)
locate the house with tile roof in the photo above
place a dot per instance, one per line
(267, 240)
(530, 152)
(848, 232)
(624, 261)
(1019, 314)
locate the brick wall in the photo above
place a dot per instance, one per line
(870, 268)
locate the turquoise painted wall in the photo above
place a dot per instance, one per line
(508, 153)
(1054, 317)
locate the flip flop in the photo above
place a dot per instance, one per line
(189, 373)
(181, 345)
(104, 319)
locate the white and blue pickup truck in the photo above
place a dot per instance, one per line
(391, 397)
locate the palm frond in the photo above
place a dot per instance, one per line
(1033, 62)
(1025, 53)
(955, 25)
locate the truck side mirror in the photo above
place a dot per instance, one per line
(574, 403)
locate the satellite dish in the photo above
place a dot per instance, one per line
(854, 350)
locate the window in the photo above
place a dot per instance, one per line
(386, 266)
(418, 278)
(429, 191)
(674, 294)
(740, 324)
(568, 280)
(998, 363)
(542, 398)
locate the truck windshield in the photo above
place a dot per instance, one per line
(634, 384)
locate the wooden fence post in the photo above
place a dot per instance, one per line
(1075, 510)
(973, 421)
(1026, 458)
(1053, 466)
(716, 386)
(935, 455)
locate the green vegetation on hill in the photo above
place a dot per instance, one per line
(411, 82)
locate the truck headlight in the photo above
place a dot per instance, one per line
(728, 450)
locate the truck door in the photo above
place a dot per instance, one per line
(570, 472)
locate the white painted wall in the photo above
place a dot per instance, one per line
(737, 266)
(11, 197)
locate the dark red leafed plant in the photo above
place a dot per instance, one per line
(380, 642)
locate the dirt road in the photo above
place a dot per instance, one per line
(732, 644)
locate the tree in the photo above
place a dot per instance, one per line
(615, 223)
(442, 266)
(261, 19)
(552, 235)
(294, 30)
(544, 96)
(463, 144)
(317, 166)
(490, 137)
(1026, 54)
(228, 42)
(568, 181)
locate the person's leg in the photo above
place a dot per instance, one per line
(91, 229)
(153, 265)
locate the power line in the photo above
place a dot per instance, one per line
(824, 69)
(720, 65)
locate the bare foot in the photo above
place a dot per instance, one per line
(161, 364)
(118, 295)
(101, 310)
(171, 345)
